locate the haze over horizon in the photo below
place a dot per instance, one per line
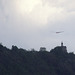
(33, 23)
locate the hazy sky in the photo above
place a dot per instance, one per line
(33, 23)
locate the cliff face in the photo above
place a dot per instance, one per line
(21, 62)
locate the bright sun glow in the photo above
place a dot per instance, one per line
(37, 11)
(26, 5)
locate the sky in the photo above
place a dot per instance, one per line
(33, 23)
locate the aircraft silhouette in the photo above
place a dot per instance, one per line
(59, 32)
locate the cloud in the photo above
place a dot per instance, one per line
(35, 24)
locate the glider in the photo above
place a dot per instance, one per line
(59, 32)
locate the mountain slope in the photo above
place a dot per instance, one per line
(21, 62)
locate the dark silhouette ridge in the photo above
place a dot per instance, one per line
(18, 61)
